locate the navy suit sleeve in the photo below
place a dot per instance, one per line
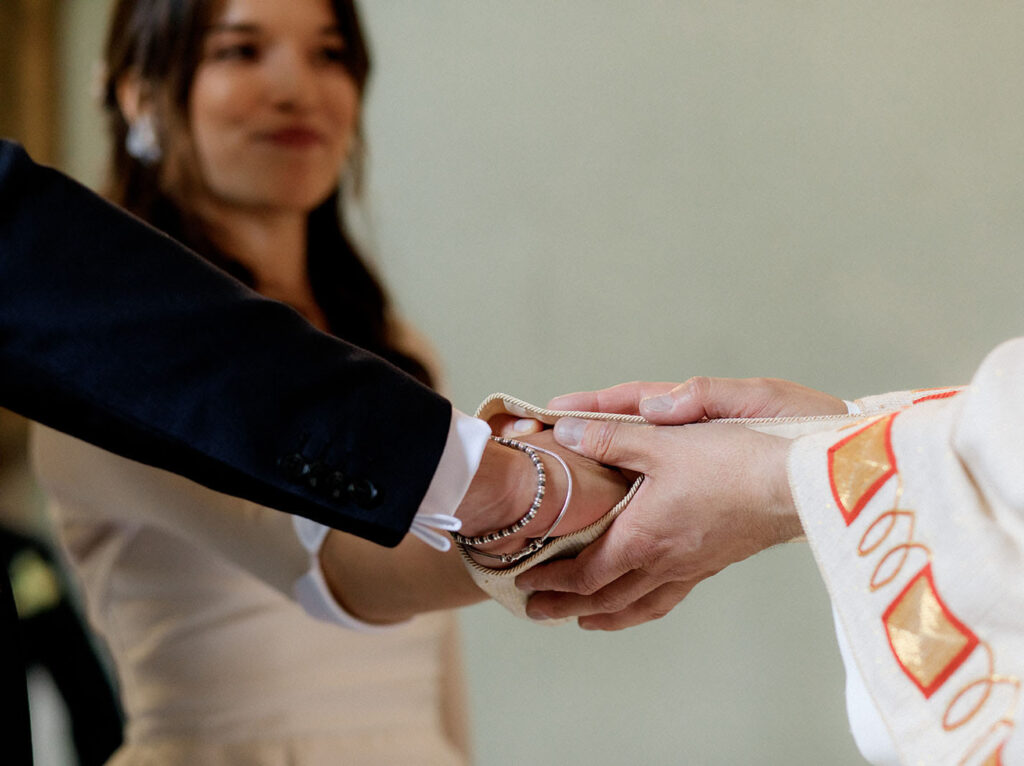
(114, 333)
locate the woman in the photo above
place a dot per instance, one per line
(230, 123)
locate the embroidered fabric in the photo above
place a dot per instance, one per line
(915, 520)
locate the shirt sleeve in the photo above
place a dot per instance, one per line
(459, 462)
(467, 437)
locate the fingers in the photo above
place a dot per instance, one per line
(702, 397)
(623, 398)
(712, 398)
(619, 444)
(617, 552)
(653, 606)
(613, 598)
(596, 566)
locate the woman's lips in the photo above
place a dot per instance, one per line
(298, 138)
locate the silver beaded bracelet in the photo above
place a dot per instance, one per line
(491, 537)
(539, 542)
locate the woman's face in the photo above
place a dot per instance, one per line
(272, 108)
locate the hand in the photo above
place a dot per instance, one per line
(705, 399)
(714, 495)
(506, 482)
(386, 585)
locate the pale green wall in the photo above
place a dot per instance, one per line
(577, 193)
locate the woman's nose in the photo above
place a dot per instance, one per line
(291, 80)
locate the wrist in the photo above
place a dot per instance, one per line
(786, 521)
(500, 493)
(521, 503)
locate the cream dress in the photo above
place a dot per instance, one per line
(192, 591)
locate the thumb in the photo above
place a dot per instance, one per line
(623, 445)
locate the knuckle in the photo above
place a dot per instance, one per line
(664, 601)
(767, 393)
(658, 612)
(600, 439)
(586, 583)
(609, 602)
(700, 387)
(771, 386)
(646, 550)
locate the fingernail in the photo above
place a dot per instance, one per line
(556, 403)
(661, 403)
(569, 432)
(536, 613)
(523, 425)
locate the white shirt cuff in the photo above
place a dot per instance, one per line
(311, 589)
(459, 462)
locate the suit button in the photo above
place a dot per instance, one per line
(315, 474)
(293, 466)
(364, 493)
(336, 485)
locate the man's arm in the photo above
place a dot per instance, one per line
(114, 333)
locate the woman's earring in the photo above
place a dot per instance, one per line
(141, 142)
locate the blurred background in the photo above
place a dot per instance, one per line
(569, 195)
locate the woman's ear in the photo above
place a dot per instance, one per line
(130, 99)
(143, 139)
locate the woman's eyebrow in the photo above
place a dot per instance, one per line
(233, 27)
(242, 27)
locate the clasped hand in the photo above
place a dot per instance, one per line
(714, 494)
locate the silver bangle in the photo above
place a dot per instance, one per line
(510, 558)
(491, 537)
(537, 543)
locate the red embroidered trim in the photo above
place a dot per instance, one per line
(930, 397)
(996, 759)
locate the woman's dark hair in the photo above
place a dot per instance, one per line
(160, 42)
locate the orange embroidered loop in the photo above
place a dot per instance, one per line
(985, 683)
(905, 549)
(988, 683)
(892, 516)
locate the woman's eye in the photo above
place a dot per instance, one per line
(333, 54)
(237, 52)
